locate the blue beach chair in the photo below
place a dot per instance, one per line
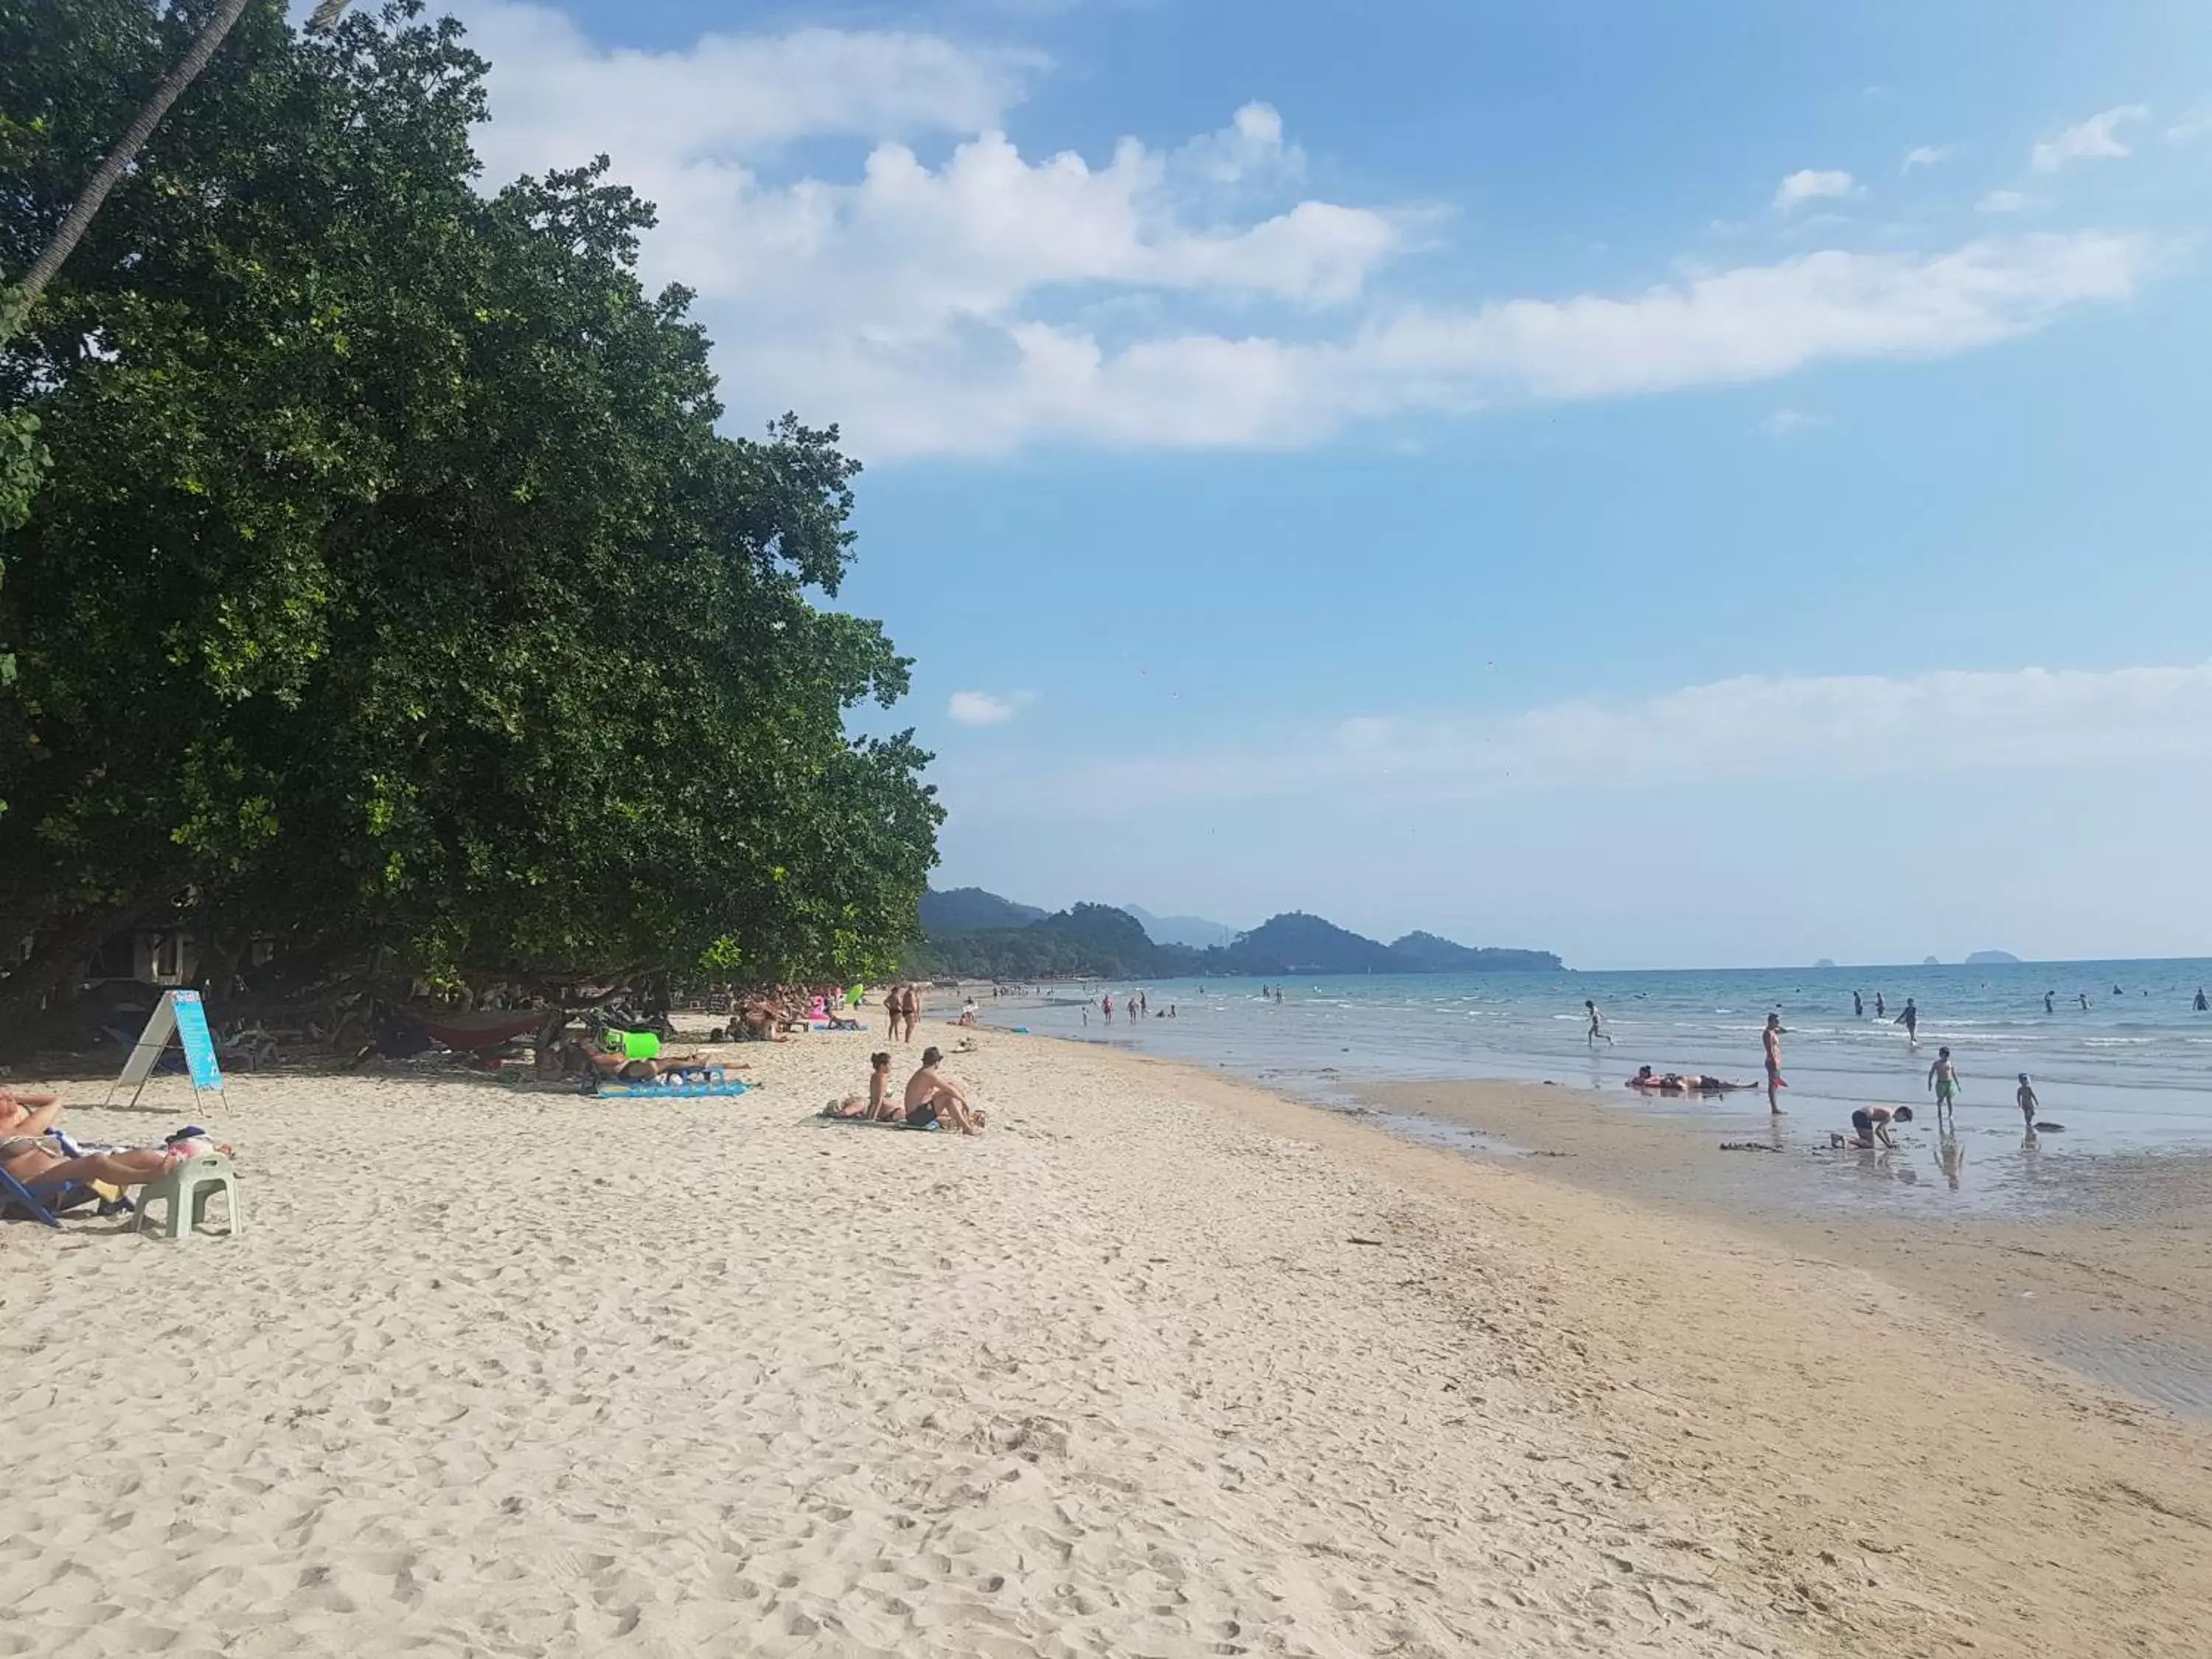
(15, 1195)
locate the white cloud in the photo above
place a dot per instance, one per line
(558, 99)
(981, 709)
(1925, 156)
(1730, 732)
(2092, 140)
(2004, 201)
(937, 298)
(1810, 184)
(1783, 422)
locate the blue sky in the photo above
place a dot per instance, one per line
(1719, 484)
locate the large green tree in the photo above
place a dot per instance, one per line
(393, 594)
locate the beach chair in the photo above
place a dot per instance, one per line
(15, 1195)
(185, 1191)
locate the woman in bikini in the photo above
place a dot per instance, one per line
(33, 1160)
(878, 1108)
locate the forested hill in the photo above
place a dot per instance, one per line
(964, 909)
(1102, 941)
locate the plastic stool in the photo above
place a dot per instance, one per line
(186, 1191)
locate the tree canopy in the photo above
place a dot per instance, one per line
(390, 595)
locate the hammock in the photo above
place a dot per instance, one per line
(479, 1032)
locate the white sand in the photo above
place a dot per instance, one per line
(504, 1372)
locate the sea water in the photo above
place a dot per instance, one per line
(2131, 1071)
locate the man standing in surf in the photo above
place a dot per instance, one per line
(1772, 1038)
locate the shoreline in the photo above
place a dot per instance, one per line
(1165, 1362)
(2112, 1278)
(2097, 1255)
(1855, 1405)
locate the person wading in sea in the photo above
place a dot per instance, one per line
(1943, 1079)
(1772, 1037)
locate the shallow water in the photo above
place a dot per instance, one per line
(2132, 1071)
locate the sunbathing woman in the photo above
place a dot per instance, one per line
(27, 1154)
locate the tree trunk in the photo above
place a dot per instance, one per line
(118, 161)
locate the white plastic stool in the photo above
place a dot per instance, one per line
(185, 1190)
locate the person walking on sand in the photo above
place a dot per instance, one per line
(1771, 1038)
(1943, 1079)
(1910, 1019)
(1596, 1024)
(2024, 1098)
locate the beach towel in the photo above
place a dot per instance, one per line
(711, 1080)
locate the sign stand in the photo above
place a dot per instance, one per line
(178, 1014)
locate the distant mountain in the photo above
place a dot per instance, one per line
(1196, 932)
(964, 909)
(1097, 940)
(1930, 962)
(1299, 943)
(1424, 954)
(1991, 955)
(1100, 941)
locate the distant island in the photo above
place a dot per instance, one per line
(974, 934)
(1930, 962)
(1990, 955)
(1825, 962)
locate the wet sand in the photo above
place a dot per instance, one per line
(2102, 1261)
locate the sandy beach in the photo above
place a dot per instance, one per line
(1161, 1364)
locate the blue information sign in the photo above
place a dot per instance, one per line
(199, 1044)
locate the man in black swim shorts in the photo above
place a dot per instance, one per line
(1870, 1128)
(933, 1099)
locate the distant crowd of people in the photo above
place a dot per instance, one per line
(1871, 1125)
